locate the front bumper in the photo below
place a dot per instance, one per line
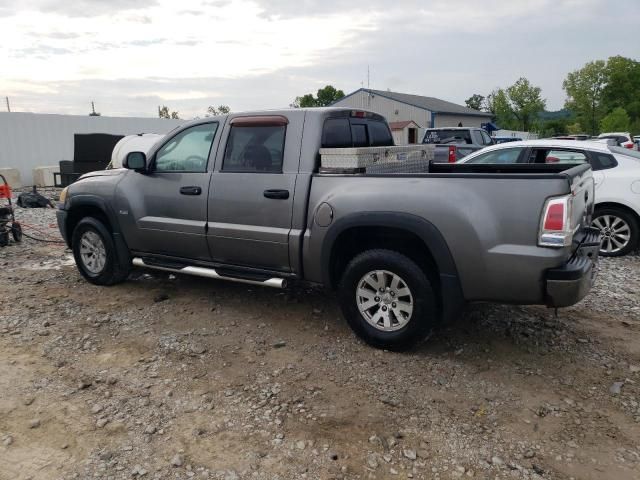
(569, 284)
(61, 217)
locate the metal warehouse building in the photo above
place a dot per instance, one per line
(408, 112)
(29, 140)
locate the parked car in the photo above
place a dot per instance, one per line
(624, 139)
(242, 197)
(454, 143)
(616, 171)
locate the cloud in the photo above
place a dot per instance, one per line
(75, 8)
(132, 56)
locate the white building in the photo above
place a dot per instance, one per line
(29, 140)
(425, 112)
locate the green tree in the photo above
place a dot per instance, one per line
(221, 110)
(497, 103)
(475, 101)
(325, 97)
(574, 128)
(623, 85)
(584, 89)
(163, 112)
(616, 121)
(525, 102)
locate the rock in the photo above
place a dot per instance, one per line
(35, 423)
(97, 408)
(102, 422)
(410, 454)
(150, 430)
(139, 471)
(177, 460)
(280, 344)
(300, 445)
(634, 368)
(8, 440)
(529, 454)
(198, 349)
(496, 461)
(393, 471)
(161, 297)
(28, 401)
(84, 382)
(372, 461)
(105, 456)
(231, 475)
(615, 388)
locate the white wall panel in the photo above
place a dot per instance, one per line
(29, 140)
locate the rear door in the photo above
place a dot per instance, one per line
(251, 197)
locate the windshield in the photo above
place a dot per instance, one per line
(625, 151)
(447, 136)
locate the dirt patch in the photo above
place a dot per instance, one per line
(224, 381)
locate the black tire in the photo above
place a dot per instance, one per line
(16, 231)
(628, 218)
(425, 307)
(115, 270)
(4, 238)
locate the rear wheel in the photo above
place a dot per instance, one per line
(619, 231)
(387, 299)
(96, 255)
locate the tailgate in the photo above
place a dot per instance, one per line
(582, 202)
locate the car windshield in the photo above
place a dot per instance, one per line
(625, 151)
(447, 136)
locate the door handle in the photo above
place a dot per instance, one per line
(190, 190)
(277, 194)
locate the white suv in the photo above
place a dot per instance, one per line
(624, 139)
(616, 171)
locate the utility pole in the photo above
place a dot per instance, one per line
(8, 106)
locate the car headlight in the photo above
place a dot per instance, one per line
(63, 195)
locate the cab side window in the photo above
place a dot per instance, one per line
(188, 151)
(255, 148)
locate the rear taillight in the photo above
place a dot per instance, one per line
(452, 154)
(555, 228)
(628, 145)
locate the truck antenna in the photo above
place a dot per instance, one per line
(8, 106)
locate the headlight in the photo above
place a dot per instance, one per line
(63, 195)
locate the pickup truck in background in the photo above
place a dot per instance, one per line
(454, 143)
(242, 197)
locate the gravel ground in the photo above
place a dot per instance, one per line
(178, 377)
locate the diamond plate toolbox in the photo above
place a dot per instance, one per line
(407, 158)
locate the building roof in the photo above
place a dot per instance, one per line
(402, 125)
(432, 104)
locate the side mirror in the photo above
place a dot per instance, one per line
(135, 161)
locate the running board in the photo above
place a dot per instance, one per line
(211, 273)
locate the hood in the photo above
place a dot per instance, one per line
(104, 173)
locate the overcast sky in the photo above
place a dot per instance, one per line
(131, 56)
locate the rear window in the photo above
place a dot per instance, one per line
(504, 156)
(380, 134)
(602, 161)
(447, 136)
(356, 132)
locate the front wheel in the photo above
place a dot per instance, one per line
(619, 231)
(96, 255)
(387, 299)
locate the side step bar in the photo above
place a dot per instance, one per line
(211, 273)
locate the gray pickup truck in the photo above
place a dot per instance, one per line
(242, 197)
(454, 143)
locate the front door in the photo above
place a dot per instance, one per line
(251, 197)
(164, 210)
